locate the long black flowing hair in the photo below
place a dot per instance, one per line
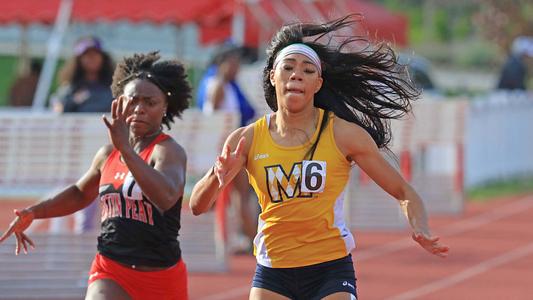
(367, 87)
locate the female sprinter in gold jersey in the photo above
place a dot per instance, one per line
(331, 111)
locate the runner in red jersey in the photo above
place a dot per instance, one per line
(140, 179)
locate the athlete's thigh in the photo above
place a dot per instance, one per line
(340, 296)
(264, 294)
(106, 289)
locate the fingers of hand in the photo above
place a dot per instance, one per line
(106, 122)
(23, 241)
(6, 234)
(441, 251)
(114, 106)
(11, 229)
(219, 170)
(220, 176)
(128, 119)
(220, 162)
(240, 147)
(226, 151)
(431, 244)
(127, 106)
(418, 237)
(421, 238)
(442, 248)
(26, 238)
(120, 108)
(19, 242)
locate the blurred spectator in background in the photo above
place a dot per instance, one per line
(23, 89)
(513, 75)
(85, 87)
(218, 90)
(85, 79)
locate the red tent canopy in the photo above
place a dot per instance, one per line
(158, 11)
(206, 13)
(214, 17)
(376, 22)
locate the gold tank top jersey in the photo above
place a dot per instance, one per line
(301, 221)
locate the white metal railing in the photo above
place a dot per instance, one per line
(499, 141)
(41, 152)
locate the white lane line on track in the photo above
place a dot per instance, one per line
(466, 274)
(471, 223)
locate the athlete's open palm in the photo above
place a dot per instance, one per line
(229, 163)
(18, 225)
(431, 245)
(118, 127)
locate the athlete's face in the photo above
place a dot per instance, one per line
(147, 108)
(296, 80)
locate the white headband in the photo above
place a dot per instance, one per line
(299, 49)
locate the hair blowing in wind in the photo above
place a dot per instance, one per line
(367, 87)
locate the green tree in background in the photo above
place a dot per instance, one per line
(8, 65)
(442, 26)
(439, 21)
(464, 33)
(502, 21)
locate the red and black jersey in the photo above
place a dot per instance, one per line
(134, 231)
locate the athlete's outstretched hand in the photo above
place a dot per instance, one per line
(229, 163)
(431, 244)
(17, 226)
(118, 127)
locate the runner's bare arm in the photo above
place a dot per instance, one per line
(164, 183)
(68, 201)
(359, 147)
(232, 159)
(77, 196)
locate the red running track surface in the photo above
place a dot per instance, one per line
(491, 257)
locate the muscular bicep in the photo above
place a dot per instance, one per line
(89, 183)
(170, 161)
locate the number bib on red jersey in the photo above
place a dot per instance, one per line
(134, 231)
